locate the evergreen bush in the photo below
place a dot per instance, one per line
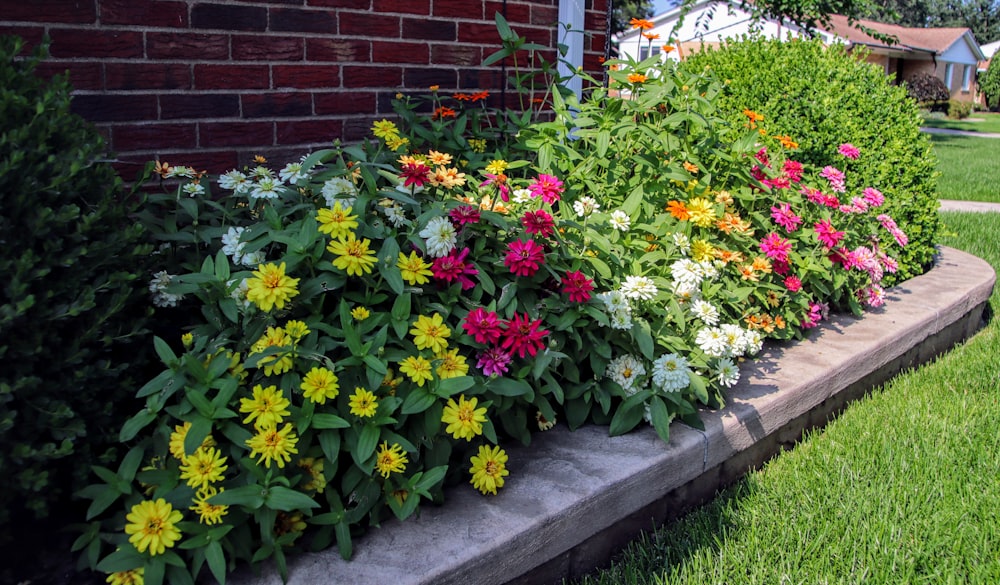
(929, 91)
(989, 84)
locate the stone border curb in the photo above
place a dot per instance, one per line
(573, 498)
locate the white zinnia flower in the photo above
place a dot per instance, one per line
(685, 292)
(260, 172)
(670, 373)
(736, 339)
(180, 171)
(234, 181)
(584, 206)
(231, 245)
(621, 320)
(335, 187)
(521, 195)
(639, 287)
(293, 173)
(626, 371)
(620, 220)
(193, 189)
(705, 311)
(687, 272)
(266, 188)
(440, 237)
(683, 243)
(728, 372)
(712, 341)
(396, 215)
(753, 342)
(709, 270)
(253, 259)
(158, 286)
(239, 292)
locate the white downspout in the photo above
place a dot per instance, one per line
(571, 12)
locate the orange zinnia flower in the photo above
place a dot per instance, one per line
(727, 256)
(641, 23)
(163, 169)
(461, 96)
(651, 36)
(479, 95)
(690, 167)
(636, 78)
(678, 210)
(667, 48)
(762, 264)
(442, 113)
(787, 142)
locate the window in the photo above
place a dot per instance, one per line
(644, 52)
(949, 69)
(966, 77)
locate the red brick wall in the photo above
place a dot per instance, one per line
(211, 83)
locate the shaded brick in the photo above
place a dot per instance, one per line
(238, 134)
(153, 137)
(95, 43)
(144, 75)
(311, 131)
(161, 13)
(338, 50)
(374, 76)
(82, 75)
(491, 79)
(482, 34)
(546, 15)
(306, 76)
(418, 77)
(267, 48)
(393, 52)
(69, 11)
(229, 17)
(174, 106)
(385, 98)
(31, 35)
(300, 20)
(369, 25)
(356, 129)
(430, 29)
(342, 102)
(231, 77)
(187, 46)
(459, 9)
(515, 12)
(276, 105)
(456, 54)
(115, 108)
(353, 4)
(408, 7)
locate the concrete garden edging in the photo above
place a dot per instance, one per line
(573, 498)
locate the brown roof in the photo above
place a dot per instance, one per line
(934, 40)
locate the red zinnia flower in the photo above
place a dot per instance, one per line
(415, 174)
(464, 214)
(522, 335)
(483, 325)
(454, 267)
(793, 170)
(793, 284)
(577, 286)
(524, 257)
(538, 222)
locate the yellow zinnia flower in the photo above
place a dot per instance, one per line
(152, 525)
(390, 459)
(360, 313)
(208, 513)
(701, 211)
(268, 406)
(177, 441)
(273, 445)
(385, 129)
(319, 385)
(464, 420)
(488, 469)
(270, 287)
(314, 480)
(203, 467)
(430, 333)
(296, 330)
(417, 368)
(336, 222)
(496, 167)
(702, 250)
(130, 577)
(414, 270)
(279, 363)
(353, 255)
(452, 365)
(363, 403)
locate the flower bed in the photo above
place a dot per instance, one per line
(373, 322)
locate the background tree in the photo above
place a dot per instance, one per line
(981, 16)
(625, 10)
(989, 83)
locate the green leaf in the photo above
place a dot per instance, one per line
(216, 561)
(105, 497)
(156, 384)
(343, 530)
(452, 386)
(135, 424)
(200, 429)
(329, 441)
(387, 257)
(418, 400)
(163, 350)
(661, 418)
(123, 559)
(288, 500)
(511, 387)
(251, 496)
(328, 421)
(628, 415)
(401, 308)
(643, 336)
(698, 387)
(367, 441)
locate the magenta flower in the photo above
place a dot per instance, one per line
(780, 267)
(483, 325)
(464, 214)
(826, 233)
(761, 157)
(454, 267)
(785, 217)
(793, 170)
(888, 223)
(780, 182)
(776, 247)
(835, 177)
(522, 335)
(415, 174)
(849, 150)
(524, 257)
(888, 263)
(493, 362)
(873, 196)
(500, 181)
(577, 286)
(817, 312)
(547, 187)
(842, 256)
(819, 198)
(858, 205)
(757, 173)
(793, 284)
(538, 222)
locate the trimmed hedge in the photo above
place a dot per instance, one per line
(821, 96)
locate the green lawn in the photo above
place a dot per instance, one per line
(977, 122)
(969, 167)
(904, 487)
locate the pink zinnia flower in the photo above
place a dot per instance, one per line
(835, 177)
(780, 182)
(775, 246)
(817, 312)
(849, 150)
(761, 157)
(816, 196)
(873, 295)
(547, 187)
(785, 217)
(524, 257)
(415, 174)
(858, 205)
(888, 263)
(793, 284)
(873, 196)
(454, 267)
(483, 325)
(757, 173)
(888, 223)
(577, 286)
(780, 267)
(827, 234)
(494, 362)
(522, 335)
(500, 181)
(793, 170)
(842, 256)
(538, 222)
(464, 214)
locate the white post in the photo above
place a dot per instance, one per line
(571, 12)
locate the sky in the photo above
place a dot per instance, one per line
(660, 6)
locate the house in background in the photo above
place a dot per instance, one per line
(952, 54)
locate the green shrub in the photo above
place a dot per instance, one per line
(822, 97)
(958, 110)
(989, 84)
(929, 91)
(70, 301)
